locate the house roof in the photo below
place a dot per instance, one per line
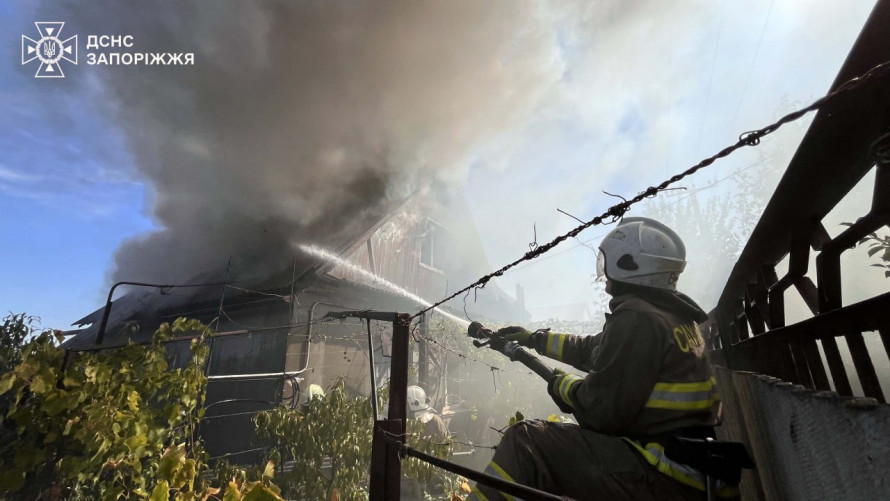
(144, 306)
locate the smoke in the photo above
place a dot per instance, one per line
(309, 120)
(652, 89)
(306, 121)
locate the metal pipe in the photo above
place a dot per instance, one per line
(505, 486)
(175, 340)
(100, 335)
(308, 341)
(259, 375)
(373, 372)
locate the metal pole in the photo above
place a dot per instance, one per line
(423, 361)
(505, 486)
(386, 469)
(100, 335)
(373, 373)
(398, 385)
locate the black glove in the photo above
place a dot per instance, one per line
(518, 334)
(560, 389)
(477, 330)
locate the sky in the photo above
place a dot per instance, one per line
(113, 172)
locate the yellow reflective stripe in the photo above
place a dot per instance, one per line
(555, 345)
(565, 387)
(500, 471)
(654, 454)
(495, 470)
(699, 395)
(697, 405)
(686, 387)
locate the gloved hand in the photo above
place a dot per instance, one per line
(477, 330)
(518, 334)
(560, 389)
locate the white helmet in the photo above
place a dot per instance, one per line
(417, 400)
(642, 251)
(315, 391)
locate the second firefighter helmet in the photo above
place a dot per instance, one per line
(417, 399)
(642, 251)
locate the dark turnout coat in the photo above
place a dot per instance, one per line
(647, 378)
(647, 373)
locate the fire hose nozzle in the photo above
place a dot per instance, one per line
(512, 349)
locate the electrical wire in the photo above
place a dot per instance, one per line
(229, 454)
(245, 413)
(586, 243)
(751, 66)
(614, 213)
(711, 76)
(252, 329)
(242, 289)
(451, 441)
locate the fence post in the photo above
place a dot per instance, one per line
(386, 468)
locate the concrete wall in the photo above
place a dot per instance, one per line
(807, 445)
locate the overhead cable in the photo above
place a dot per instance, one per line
(614, 213)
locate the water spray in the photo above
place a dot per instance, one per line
(330, 257)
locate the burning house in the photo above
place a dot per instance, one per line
(272, 339)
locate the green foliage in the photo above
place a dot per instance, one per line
(15, 329)
(519, 417)
(435, 482)
(238, 485)
(877, 245)
(112, 424)
(329, 442)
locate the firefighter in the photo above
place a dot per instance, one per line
(434, 439)
(434, 428)
(647, 379)
(315, 391)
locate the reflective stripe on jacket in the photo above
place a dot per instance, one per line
(654, 454)
(647, 374)
(692, 396)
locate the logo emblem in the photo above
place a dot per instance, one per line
(50, 50)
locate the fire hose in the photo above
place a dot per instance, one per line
(512, 349)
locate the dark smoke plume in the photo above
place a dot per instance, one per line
(308, 120)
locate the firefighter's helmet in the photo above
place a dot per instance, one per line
(315, 391)
(642, 251)
(417, 399)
